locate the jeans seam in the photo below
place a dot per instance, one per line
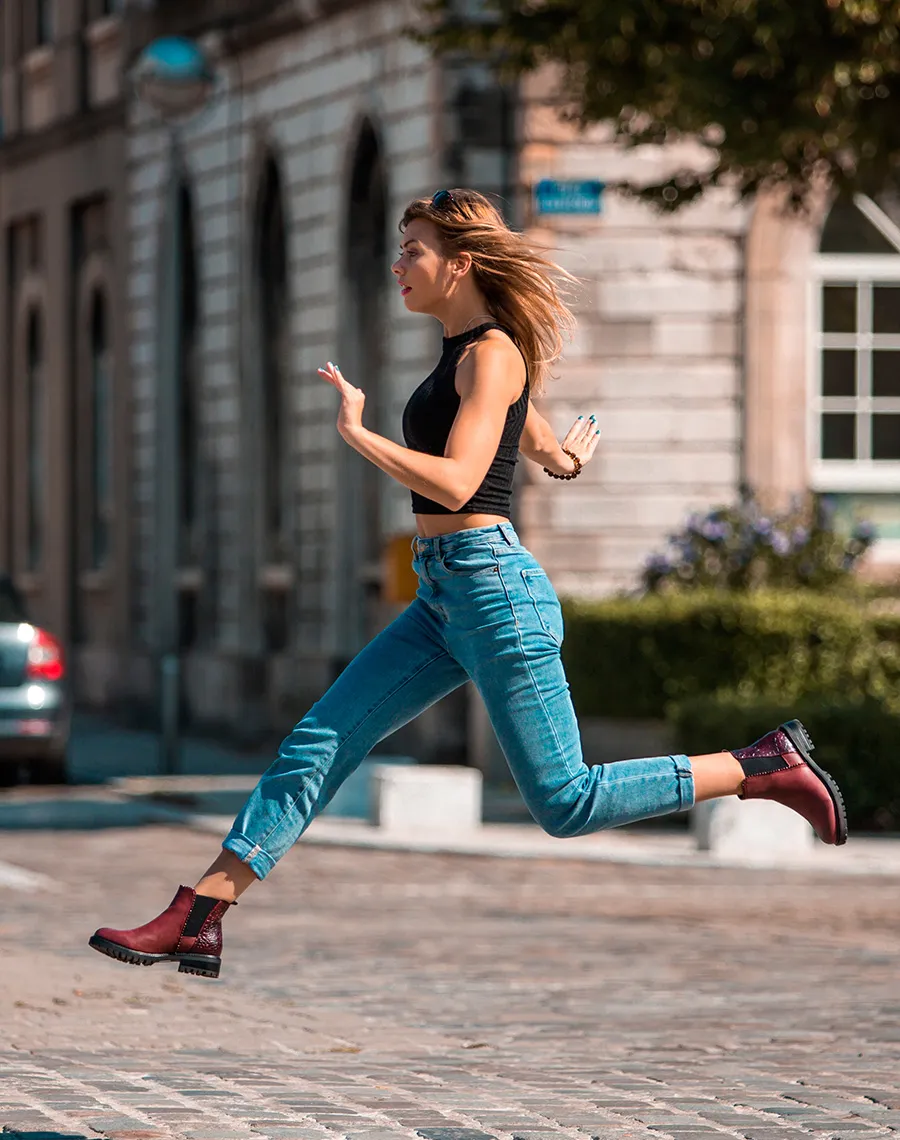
(347, 738)
(534, 682)
(527, 573)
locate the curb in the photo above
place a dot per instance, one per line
(867, 856)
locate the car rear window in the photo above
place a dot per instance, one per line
(11, 607)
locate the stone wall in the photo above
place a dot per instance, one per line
(301, 98)
(657, 356)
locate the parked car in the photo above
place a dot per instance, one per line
(35, 702)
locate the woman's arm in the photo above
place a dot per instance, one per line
(539, 444)
(488, 380)
(430, 475)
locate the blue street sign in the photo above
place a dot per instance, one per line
(568, 197)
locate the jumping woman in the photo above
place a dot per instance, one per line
(484, 610)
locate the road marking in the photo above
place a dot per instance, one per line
(18, 879)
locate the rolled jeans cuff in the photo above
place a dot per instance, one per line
(259, 861)
(685, 776)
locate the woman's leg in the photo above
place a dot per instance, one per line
(521, 678)
(510, 646)
(403, 671)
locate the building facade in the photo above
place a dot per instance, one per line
(323, 125)
(725, 345)
(64, 414)
(700, 344)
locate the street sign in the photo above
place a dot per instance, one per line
(568, 197)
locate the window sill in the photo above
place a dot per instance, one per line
(189, 579)
(29, 582)
(861, 476)
(105, 30)
(38, 61)
(277, 577)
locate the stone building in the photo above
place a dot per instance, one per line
(64, 409)
(725, 344)
(703, 342)
(326, 121)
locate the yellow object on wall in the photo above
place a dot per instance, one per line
(400, 580)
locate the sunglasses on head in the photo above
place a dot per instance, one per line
(442, 198)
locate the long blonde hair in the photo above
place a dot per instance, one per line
(524, 291)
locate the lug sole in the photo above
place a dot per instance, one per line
(205, 965)
(801, 740)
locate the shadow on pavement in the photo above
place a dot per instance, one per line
(43, 1135)
(69, 811)
(100, 751)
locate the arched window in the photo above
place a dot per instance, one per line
(272, 293)
(188, 417)
(363, 336)
(191, 552)
(44, 21)
(101, 439)
(856, 360)
(34, 440)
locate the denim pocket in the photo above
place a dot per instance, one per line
(546, 604)
(471, 562)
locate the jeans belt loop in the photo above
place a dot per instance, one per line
(504, 528)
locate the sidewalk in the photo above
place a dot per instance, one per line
(215, 781)
(198, 802)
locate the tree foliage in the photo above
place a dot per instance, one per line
(776, 92)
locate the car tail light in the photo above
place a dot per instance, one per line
(45, 658)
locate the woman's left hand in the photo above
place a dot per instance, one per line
(353, 400)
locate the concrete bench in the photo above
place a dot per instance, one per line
(356, 796)
(750, 831)
(426, 798)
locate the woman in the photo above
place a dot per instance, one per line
(484, 610)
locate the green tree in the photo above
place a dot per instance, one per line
(777, 92)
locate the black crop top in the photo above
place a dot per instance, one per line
(428, 418)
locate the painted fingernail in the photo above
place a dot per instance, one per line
(593, 419)
(597, 432)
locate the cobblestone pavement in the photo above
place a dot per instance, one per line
(372, 994)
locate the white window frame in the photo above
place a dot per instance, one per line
(850, 475)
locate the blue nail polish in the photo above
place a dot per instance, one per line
(581, 417)
(593, 419)
(597, 432)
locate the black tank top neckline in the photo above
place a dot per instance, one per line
(428, 418)
(473, 334)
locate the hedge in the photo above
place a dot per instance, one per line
(858, 741)
(630, 657)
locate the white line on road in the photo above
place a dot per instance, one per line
(18, 879)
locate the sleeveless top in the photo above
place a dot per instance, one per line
(428, 418)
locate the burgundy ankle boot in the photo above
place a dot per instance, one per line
(778, 767)
(189, 932)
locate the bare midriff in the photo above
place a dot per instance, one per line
(427, 526)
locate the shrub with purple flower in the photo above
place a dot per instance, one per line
(742, 548)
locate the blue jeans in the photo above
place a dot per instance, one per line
(484, 610)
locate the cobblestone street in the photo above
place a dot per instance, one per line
(369, 994)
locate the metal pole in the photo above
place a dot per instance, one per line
(168, 475)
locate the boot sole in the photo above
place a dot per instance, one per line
(801, 740)
(203, 964)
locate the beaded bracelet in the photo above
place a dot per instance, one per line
(572, 475)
